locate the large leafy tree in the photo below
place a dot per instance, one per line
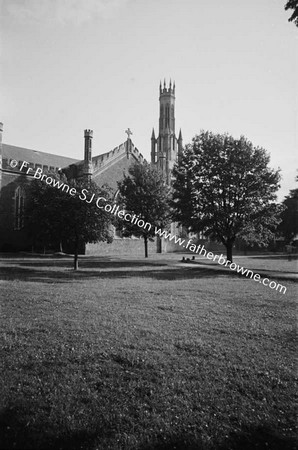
(224, 188)
(143, 193)
(293, 4)
(288, 227)
(56, 216)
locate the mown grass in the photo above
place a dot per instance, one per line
(144, 355)
(274, 263)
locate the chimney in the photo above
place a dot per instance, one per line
(88, 135)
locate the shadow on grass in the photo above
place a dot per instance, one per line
(249, 438)
(16, 434)
(94, 263)
(293, 257)
(263, 437)
(66, 275)
(254, 270)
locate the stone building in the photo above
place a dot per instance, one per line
(166, 148)
(107, 168)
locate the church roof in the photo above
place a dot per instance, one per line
(107, 167)
(10, 152)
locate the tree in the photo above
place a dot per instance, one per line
(288, 227)
(224, 188)
(45, 213)
(293, 4)
(71, 214)
(144, 195)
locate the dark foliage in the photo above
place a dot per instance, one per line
(144, 193)
(55, 216)
(288, 227)
(224, 188)
(293, 4)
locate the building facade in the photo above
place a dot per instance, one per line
(104, 169)
(166, 148)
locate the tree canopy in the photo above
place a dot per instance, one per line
(288, 227)
(293, 4)
(143, 193)
(224, 188)
(55, 215)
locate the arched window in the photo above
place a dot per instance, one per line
(161, 117)
(19, 208)
(167, 115)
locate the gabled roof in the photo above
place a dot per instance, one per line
(34, 156)
(100, 162)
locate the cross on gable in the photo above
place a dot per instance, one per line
(128, 132)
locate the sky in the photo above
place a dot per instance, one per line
(70, 65)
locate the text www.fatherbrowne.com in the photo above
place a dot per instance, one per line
(102, 203)
(220, 259)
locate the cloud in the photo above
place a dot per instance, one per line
(62, 11)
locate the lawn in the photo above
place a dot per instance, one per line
(128, 354)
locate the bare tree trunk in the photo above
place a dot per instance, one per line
(76, 255)
(146, 246)
(229, 247)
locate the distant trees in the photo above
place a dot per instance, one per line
(144, 194)
(293, 4)
(224, 188)
(288, 226)
(57, 214)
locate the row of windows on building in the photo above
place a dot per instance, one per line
(35, 166)
(19, 211)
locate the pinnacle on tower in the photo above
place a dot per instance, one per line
(153, 134)
(163, 89)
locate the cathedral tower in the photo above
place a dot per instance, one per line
(166, 149)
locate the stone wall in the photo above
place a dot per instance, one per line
(10, 238)
(131, 247)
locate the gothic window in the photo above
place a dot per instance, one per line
(167, 115)
(19, 208)
(161, 117)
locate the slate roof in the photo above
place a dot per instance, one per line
(36, 157)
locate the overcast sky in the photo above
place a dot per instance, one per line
(67, 65)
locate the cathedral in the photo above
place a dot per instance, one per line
(18, 165)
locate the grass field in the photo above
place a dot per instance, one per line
(131, 354)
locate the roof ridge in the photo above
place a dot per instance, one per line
(17, 147)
